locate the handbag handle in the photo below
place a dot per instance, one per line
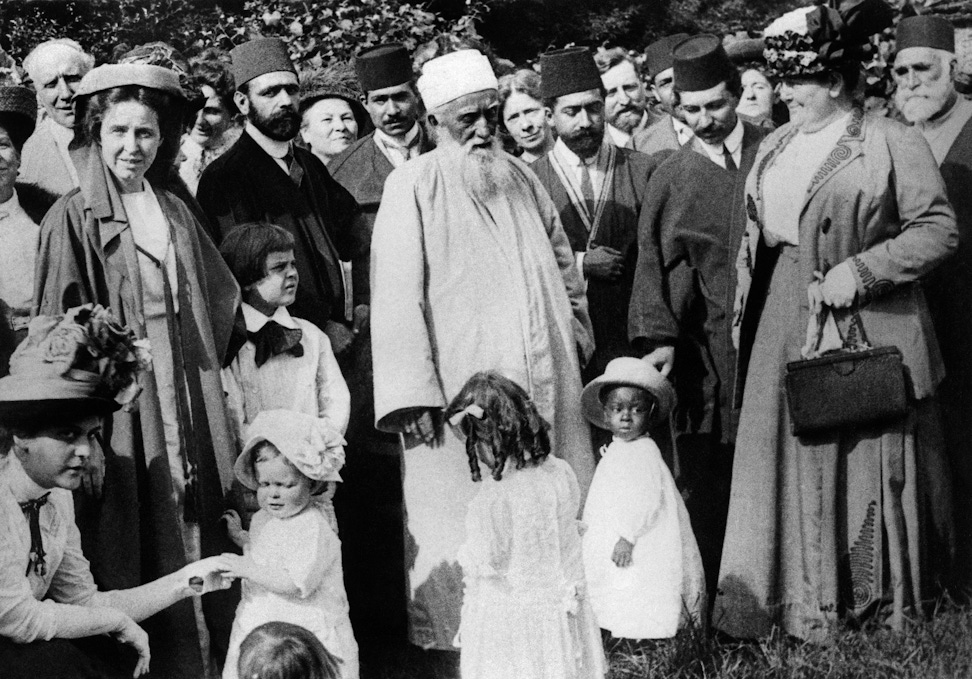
(855, 340)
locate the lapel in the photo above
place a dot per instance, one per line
(958, 153)
(102, 199)
(848, 147)
(590, 222)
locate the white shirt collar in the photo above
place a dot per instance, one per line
(255, 319)
(21, 486)
(733, 144)
(388, 141)
(572, 159)
(11, 208)
(682, 131)
(275, 149)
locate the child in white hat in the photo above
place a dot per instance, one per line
(644, 571)
(291, 568)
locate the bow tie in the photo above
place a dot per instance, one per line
(31, 510)
(273, 339)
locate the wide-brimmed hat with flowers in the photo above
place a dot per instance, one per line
(83, 361)
(308, 442)
(628, 372)
(817, 39)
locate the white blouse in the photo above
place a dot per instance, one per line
(19, 240)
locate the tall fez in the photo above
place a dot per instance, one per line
(658, 55)
(567, 71)
(383, 66)
(925, 31)
(257, 57)
(700, 63)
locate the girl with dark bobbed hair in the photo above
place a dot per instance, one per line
(123, 240)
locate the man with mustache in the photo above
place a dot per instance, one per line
(472, 271)
(681, 310)
(598, 190)
(625, 98)
(55, 68)
(924, 71)
(670, 132)
(265, 177)
(385, 76)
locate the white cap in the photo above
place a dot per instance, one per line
(454, 75)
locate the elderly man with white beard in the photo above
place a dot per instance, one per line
(471, 271)
(924, 68)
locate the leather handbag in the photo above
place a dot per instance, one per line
(853, 386)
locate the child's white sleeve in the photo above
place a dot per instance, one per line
(333, 398)
(312, 558)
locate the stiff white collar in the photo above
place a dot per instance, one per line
(255, 319)
(574, 161)
(732, 143)
(394, 143)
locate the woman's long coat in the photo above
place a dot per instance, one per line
(134, 535)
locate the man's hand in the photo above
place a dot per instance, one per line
(130, 634)
(662, 358)
(361, 319)
(621, 556)
(839, 286)
(424, 424)
(603, 262)
(341, 338)
(93, 478)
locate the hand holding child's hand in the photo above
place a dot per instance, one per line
(234, 565)
(234, 528)
(205, 576)
(621, 556)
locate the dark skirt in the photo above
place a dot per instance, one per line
(89, 658)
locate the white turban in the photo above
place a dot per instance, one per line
(454, 75)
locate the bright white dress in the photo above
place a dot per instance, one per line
(307, 547)
(525, 613)
(634, 496)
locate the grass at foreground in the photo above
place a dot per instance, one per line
(940, 648)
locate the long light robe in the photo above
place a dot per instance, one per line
(460, 285)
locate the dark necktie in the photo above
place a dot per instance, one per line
(274, 339)
(587, 189)
(294, 169)
(727, 157)
(31, 510)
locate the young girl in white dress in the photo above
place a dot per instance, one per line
(643, 567)
(291, 567)
(525, 612)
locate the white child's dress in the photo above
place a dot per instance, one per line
(525, 613)
(306, 547)
(633, 495)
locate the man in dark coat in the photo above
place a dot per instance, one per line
(924, 70)
(265, 177)
(385, 76)
(597, 188)
(681, 308)
(669, 132)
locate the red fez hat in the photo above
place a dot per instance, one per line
(658, 55)
(257, 57)
(383, 66)
(567, 71)
(925, 31)
(700, 63)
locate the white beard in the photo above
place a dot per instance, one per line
(925, 101)
(486, 173)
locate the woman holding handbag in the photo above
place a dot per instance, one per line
(852, 210)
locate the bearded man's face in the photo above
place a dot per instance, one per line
(924, 83)
(270, 103)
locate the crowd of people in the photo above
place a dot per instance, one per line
(491, 359)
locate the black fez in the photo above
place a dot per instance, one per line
(658, 55)
(383, 66)
(567, 71)
(700, 63)
(925, 31)
(258, 57)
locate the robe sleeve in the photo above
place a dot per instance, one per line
(651, 321)
(333, 397)
(404, 359)
(568, 265)
(928, 235)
